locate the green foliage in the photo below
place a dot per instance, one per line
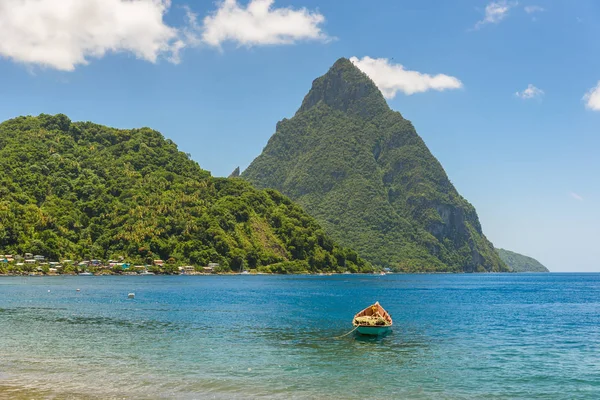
(520, 263)
(365, 174)
(85, 191)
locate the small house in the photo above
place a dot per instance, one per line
(188, 269)
(208, 270)
(159, 263)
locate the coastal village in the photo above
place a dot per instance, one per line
(37, 265)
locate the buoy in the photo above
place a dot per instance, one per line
(48, 290)
(131, 295)
(79, 290)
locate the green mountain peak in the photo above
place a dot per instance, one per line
(364, 173)
(345, 88)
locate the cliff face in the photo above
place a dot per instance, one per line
(362, 170)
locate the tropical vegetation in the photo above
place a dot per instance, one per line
(78, 190)
(520, 263)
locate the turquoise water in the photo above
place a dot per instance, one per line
(495, 336)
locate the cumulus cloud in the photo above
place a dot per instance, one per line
(534, 9)
(260, 24)
(576, 196)
(392, 78)
(592, 98)
(495, 12)
(531, 92)
(62, 34)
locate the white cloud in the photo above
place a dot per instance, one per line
(531, 92)
(62, 34)
(495, 12)
(592, 98)
(576, 196)
(260, 24)
(392, 78)
(534, 9)
(190, 30)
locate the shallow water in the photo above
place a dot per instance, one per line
(496, 336)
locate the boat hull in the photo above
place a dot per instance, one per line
(368, 327)
(373, 330)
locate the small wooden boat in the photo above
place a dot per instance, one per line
(373, 320)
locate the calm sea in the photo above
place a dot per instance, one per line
(504, 336)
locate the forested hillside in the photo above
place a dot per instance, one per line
(520, 263)
(78, 190)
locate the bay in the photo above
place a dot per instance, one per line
(467, 336)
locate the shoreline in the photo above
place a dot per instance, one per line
(290, 274)
(25, 275)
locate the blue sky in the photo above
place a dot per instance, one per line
(216, 77)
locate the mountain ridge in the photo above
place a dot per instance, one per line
(520, 263)
(80, 190)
